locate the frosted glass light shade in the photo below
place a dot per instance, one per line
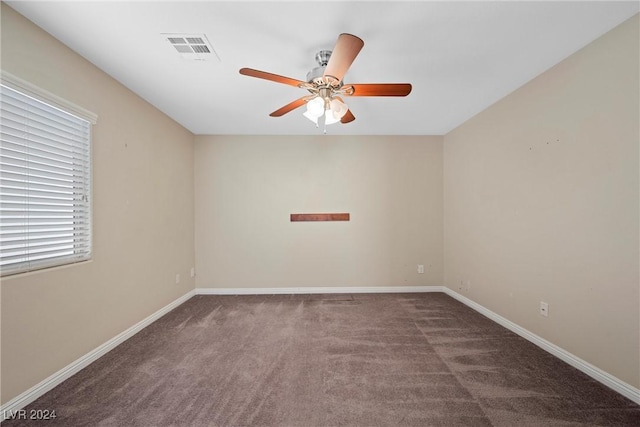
(311, 117)
(315, 107)
(338, 108)
(315, 110)
(330, 118)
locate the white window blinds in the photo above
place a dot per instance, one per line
(45, 160)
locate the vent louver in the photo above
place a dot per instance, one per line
(191, 46)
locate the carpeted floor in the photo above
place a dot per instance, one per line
(330, 360)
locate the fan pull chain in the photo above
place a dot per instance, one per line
(323, 120)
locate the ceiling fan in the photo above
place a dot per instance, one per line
(324, 104)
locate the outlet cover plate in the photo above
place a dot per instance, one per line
(544, 309)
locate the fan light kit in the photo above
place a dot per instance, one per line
(325, 105)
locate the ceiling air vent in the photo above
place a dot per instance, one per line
(192, 46)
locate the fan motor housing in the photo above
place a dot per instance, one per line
(315, 75)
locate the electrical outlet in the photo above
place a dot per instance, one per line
(177, 279)
(468, 284)
(421, 269)
(544, 309)
(193, 272)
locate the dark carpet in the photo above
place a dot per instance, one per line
(330, 360)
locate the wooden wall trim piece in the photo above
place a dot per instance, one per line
(320, 217)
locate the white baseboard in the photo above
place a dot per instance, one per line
(319, 290)
(594, 372)
(41, 388)
(22, 400)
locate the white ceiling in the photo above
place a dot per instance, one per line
(460, 57)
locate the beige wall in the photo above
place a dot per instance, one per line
(142, 212)
(541, 203)
(246, 187)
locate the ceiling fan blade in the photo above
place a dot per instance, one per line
(381, 89)
(347, 48)
(348, 117)
(270, 76)
(290, 106)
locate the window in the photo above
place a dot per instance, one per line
(45, 181)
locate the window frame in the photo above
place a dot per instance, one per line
(32, 91)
